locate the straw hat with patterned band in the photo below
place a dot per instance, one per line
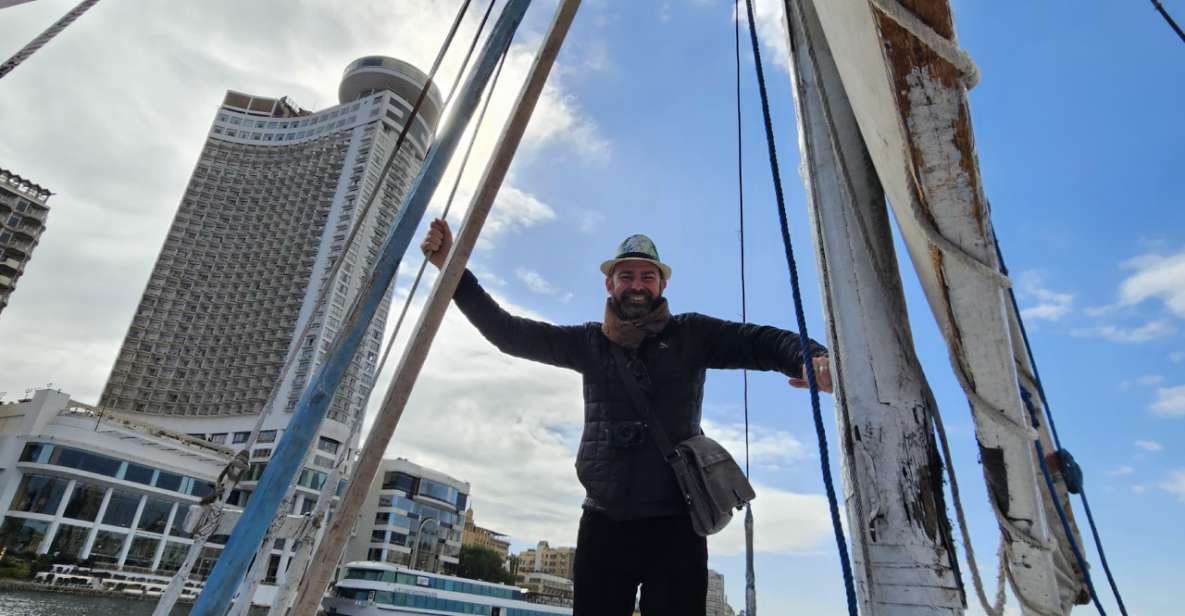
(637, 248)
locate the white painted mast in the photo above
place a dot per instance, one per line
(906, 82)
(902, 551)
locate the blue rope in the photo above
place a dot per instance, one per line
(1094, 529)
(804, 341)
(1057, 504)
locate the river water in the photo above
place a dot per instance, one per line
(26, 603)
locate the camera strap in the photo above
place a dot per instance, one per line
(641, 404)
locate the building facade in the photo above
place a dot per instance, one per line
(106, 490)
(413, 516)
(477, 536)
(23, 212)
(268, 210)
(717, 600)
(545, 559)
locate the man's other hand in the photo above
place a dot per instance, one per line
(822, 375)
(438, 242)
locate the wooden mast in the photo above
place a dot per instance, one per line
(902, 552)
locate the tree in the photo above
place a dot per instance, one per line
(480, 563)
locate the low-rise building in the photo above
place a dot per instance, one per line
(77, 484)
(411, 517)
(545, 559)
(477, 536)
(548, 589)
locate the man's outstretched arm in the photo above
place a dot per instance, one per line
(517, 336)
(761, 347)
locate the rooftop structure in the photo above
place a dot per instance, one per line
(23, 212)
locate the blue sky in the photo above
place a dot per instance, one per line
(1078, 127)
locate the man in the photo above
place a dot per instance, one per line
(635, 529)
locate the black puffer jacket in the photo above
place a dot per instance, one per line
(621, 469)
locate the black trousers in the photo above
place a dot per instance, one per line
(663, 555)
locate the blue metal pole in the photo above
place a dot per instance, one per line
(288, 456)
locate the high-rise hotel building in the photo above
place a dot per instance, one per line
(267, 211)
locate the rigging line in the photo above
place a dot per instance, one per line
(741, 208)
(1094, 531)
(1057, 505)
(169, 597)
(750, 573)
(37, 43)
(800, 316)
(447, 206)
(1169, 18)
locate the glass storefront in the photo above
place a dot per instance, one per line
(121, 508)
(85, 501)
(171, 558)
(68, 541)
(155, 516)
(21, 535)
(57, 455)
(142, 552)
(39, 494)
(107, 547)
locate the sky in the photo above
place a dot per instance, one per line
(1078, 128)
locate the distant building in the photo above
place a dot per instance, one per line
(545, 559)
(717, 601)
(411, 517)
(22, 221)
(483, 537)
(548, 589)
(112, 491)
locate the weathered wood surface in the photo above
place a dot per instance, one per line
(912, 111)
(901, 537)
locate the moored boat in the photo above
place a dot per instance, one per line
(373, 588)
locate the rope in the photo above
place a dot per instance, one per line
(995, 608)
(1168, 18)
(1035, 377)
(750, 573)
(808, 365)
(944, 47)
(28, 50)
(1057, 505)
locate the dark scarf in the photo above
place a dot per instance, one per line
(630, 334)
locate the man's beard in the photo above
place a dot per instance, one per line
(629, 309)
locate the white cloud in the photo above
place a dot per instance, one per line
(1122, 471)
(1139, 488)
(771, 448)
(1177, 357)
(1175, 484)
(1157, 277)
(1147, 380)
(1144, 333)
(771, 32)
(783, 522)
(1149, 445)
(1052, 305)
(535, 282)
(1170, 401)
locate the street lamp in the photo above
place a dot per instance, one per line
(415, 547)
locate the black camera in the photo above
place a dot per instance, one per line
(627, 433)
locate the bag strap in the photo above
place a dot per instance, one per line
(641, 405)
